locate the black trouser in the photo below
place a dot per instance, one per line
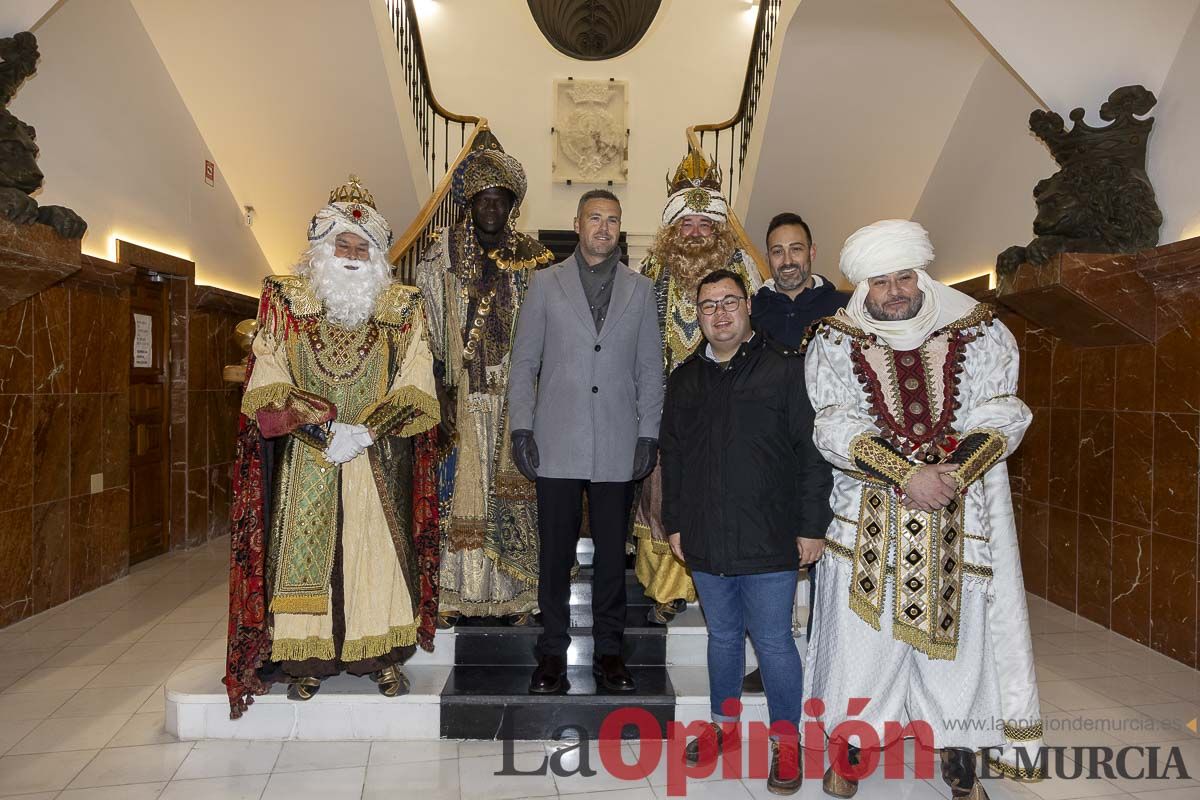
(560, 512)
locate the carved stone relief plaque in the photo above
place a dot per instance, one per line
(590, 132)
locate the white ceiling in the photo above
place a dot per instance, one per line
(1074, 52)
(22, 15)
(864, 100)
(291, 96)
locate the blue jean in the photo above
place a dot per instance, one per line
(760, 605)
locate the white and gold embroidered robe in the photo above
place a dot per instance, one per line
(982, 680)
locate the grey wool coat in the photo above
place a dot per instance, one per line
(586, 396)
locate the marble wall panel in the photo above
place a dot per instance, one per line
(16, 564)
(51, 447)
(1096, 463)
(1132, 551)
(16, 348)
(51, 340)
(1173, 598)
(1176, 465)
(1095, 569)
(1064, 458)
(1062, 578)
(16, 451)
(51, 554)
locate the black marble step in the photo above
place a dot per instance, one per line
(516, 646)
(493, 702)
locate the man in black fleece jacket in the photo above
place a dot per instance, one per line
(794, 298)
(745, 504)
(784, 307)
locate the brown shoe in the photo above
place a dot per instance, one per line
(785, 767)
(837, 786)
(712, 740)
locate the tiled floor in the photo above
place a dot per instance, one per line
(82, 717)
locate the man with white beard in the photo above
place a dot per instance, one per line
(327, 573)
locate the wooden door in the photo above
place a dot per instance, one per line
(149, 413)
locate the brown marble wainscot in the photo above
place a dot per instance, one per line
(1110, 467)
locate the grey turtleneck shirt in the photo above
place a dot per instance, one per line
(598, 283)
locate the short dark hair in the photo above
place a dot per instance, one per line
(594, 194)
(788, 218)
(718, 275)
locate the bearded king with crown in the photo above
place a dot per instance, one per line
(327, 572)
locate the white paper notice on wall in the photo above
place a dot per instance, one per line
(143, 341)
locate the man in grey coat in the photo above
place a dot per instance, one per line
(585, 393)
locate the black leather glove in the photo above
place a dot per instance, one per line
(645, 457)
(525, 453)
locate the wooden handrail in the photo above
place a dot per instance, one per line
(435, 212)
(423, 71)
(743, 101)
(764, 30)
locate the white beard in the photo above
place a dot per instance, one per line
(349, 295)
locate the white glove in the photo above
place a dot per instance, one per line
(362, 436)
(347, 442)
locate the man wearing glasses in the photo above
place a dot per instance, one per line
(744, 487)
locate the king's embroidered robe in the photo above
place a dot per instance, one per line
(923, 613)
(329, 569)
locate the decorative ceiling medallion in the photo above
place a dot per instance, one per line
(593, 30)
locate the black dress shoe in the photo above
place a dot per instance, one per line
(752, 683)
(612, 674)
(549, 676)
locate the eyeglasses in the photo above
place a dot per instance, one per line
(729, 303)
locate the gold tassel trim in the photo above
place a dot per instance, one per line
(372, 646)
(511, 571)
(300, 604)
(865, 610)
(659, 547)
(452, 601)
(919, 641)
(273, 394)
(302, 649)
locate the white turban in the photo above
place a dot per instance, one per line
(357, 218)
(894, 245)
(698, 200)
(884, 247)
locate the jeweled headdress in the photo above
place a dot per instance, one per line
(695, 190)
(351, 209)
(488, 168)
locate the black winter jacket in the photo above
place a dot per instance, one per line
(741, 475)
(785, 320)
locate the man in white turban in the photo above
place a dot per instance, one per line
(327, 573)
(921, 605)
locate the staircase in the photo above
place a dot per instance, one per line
(486, 695)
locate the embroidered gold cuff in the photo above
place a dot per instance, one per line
(1019, 774)
(978, 452)
(877, 458)
(281, 408)
(406, 412)
(1023, 733)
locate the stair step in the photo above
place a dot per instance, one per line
(516, 647)
(490, 702)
